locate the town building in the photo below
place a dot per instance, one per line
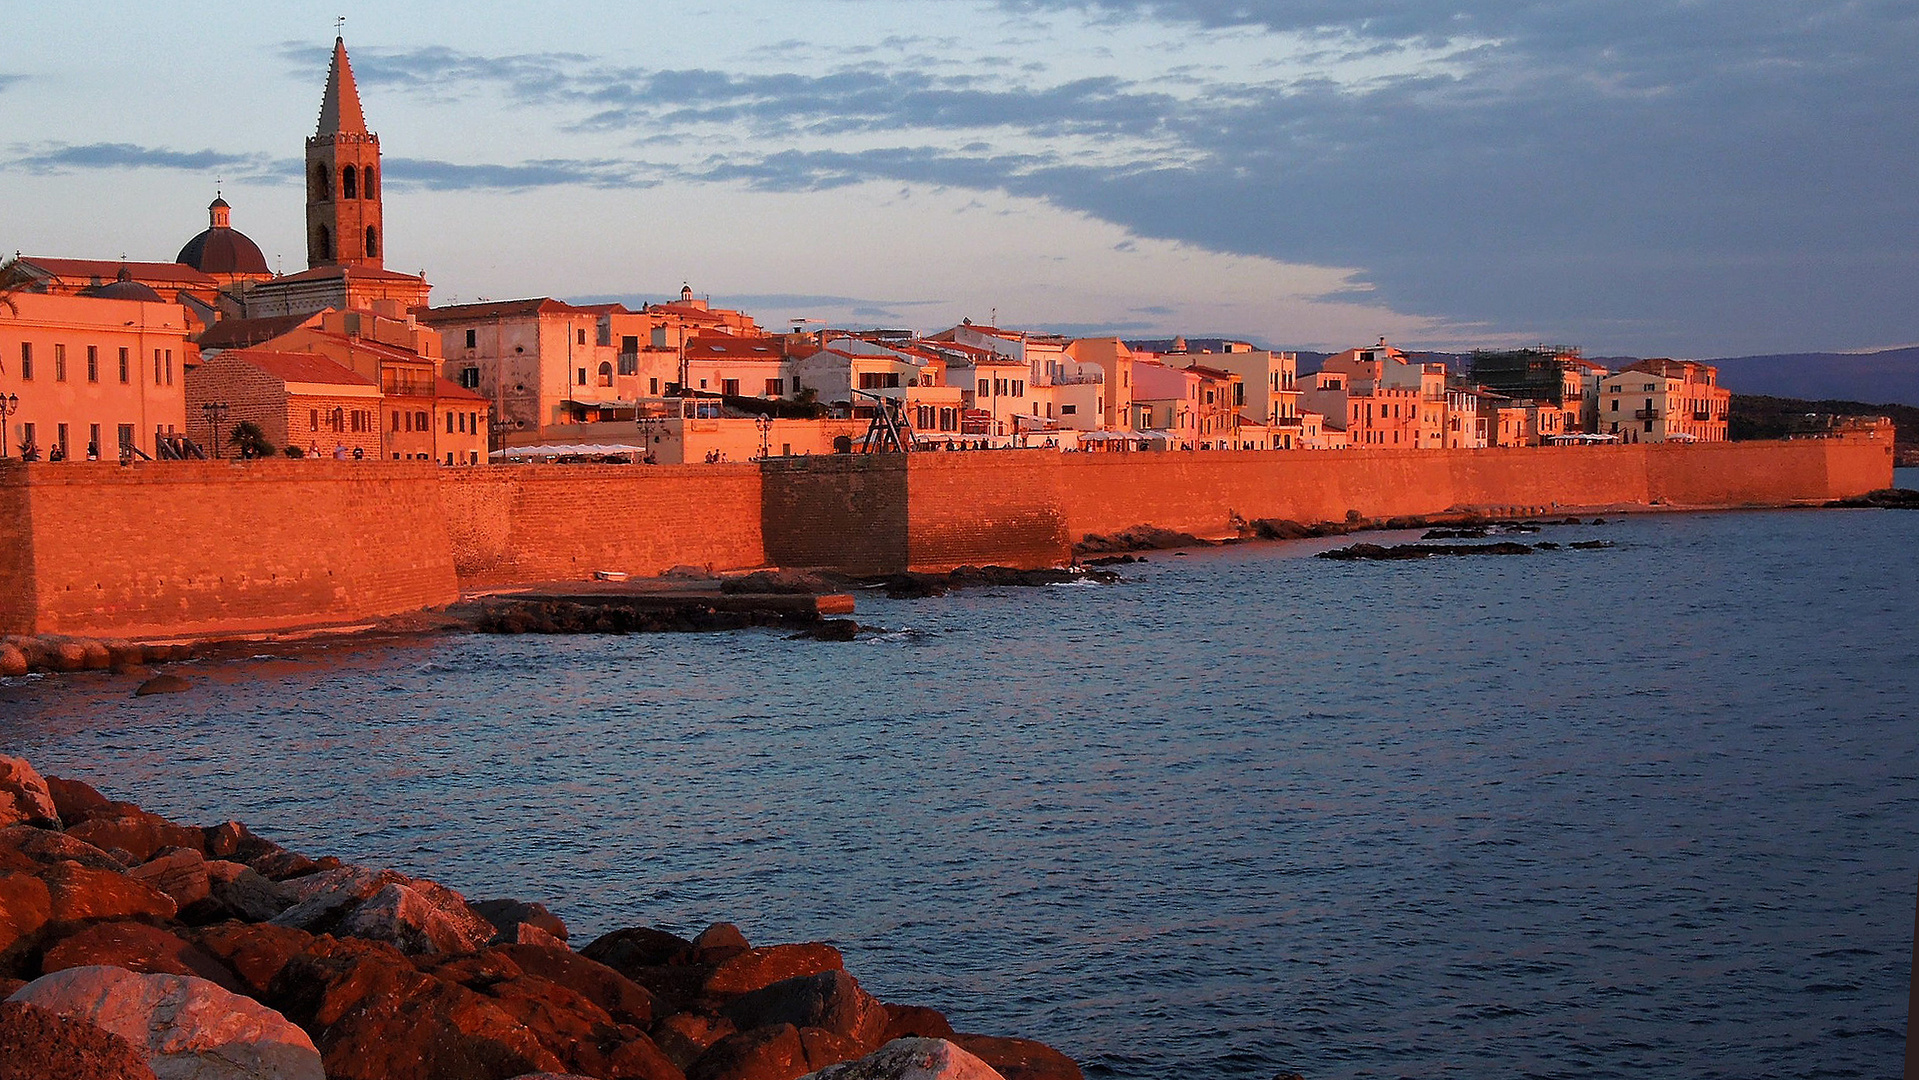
(297, 399)
(1665, 400)
(1269, 384)
(1553, 375)
(85, 376)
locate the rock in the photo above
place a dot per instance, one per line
(24, 847)
(13, 661)
(279, 864)
(125, 654)
(79, 893)
(124, 825)
(1020, 1059)
(40, 1044)
(507, 915)
(244, 893)
(528, 934)
(811, 582)
(719, 941)
(188, 1028)
(254, 952)
(831, 1000)
(768, 1053)
(74, 799)
(638, 947)
(641, 1059)
(758, 968)
(25, 908)
(136, 947)
(1421, 550)
(551, 1076)
(66, 655)
(375, 1017)
(833, 630)
(915, 1021)
(683, 1037)
(623, 999)
(418, 920)
(24, 798)
(322, 899)
(162, 684)
(234, 841)
(912, 1059)
(825, 1047)
(94, 655)
(1137, 538)
(180, 873)
(575, 1030)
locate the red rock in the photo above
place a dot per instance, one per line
(915, 1022)
(179, 872)
(768, 1053)
(244, 893)
(235, 841)
(507, 916)
(26, 848)
(136, 947)
(922, 1059)
(74, 798)
(13, 661)
(683, 1037)
(255, 952)
(24, 798)
(831, 1000)
(640, 1059)
(825, 1047)
(622, 998)
(279, 864)
(719, 942)
(123, 825)
(755, 969)
(1020, 1059)
(82, 894)
(40, 1044)
(577, 1031)
(638, 947)
(25, 906)
(418, 918)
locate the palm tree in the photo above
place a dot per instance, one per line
(250, 440)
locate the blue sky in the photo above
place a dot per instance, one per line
(1683, 177)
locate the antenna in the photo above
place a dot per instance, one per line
(339, 27)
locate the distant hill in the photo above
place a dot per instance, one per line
(1763, 417)
(1892, 375)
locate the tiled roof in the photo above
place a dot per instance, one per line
(240, 333)
(172, 273)
(298, 367)
(364, 273)
(446, 388)
(733, 348)
(497, 309)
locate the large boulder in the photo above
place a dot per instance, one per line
(622, 998)
(25, 907)
(24, 798)
(254, 951)
(244, 893)
(188, 1028)
(74, 799)
(757, 968)
(79, 893)
(916, 1021)
(180, 873)
(39, 1044)
(136, 947)
(419, 918)
(831, 1000)
(507, 916)
(129, 828)
(768, 1053)
(24, 847)
(322, 899)
(13, 660)
(638, 947)
(683, 1037)
(1020, 1059)
(912, 1059)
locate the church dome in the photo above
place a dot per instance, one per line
(123, 288)
(222, 249)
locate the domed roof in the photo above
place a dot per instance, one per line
(222, 249)
(123, 288)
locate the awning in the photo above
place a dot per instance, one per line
(520, 453)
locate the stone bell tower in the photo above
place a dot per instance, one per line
(343, 176)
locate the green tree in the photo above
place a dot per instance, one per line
(250, 440)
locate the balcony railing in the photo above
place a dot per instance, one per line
(1646, 414)
(1701, 415)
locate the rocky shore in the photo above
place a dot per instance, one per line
(133, 947)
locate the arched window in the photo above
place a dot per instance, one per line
(606, 374)
(349, 183)
(323, 242)
(372, 242)
(337, 419)
(322, 183)
(367, 188)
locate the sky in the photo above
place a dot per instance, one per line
(1632, 177)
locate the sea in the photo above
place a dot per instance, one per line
(1647, 810)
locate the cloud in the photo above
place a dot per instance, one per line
(61, 157)
(9, 80)
(553, 172)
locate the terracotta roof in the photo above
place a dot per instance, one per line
(446, 388)
(497, 309)
(224, 251)
(240, 333)
(734, 348)
(298, 367)
(172, 273)
(1212, 372)
(365, 273)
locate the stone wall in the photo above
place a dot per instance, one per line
(848, 512)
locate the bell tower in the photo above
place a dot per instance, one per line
(343, 177)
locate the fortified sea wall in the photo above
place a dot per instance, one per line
(203, 548)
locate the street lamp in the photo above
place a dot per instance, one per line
(9, 404)
(765, 424)
(216, 414)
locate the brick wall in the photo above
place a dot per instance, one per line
(526, 523)
(219, 547)
(18, 587)
(844, 511)
(1009, 512)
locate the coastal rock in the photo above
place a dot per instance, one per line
(683, 1037)
(624, 1000)
(912, 1059)
(25, 908)
(418, 920)
(638, 947)
(832, 1000)
(768, 1053)
(74, 799)
(1020, 1059)
(1375, 552)
(126, 826)
(915, 1021)
(254, 952)
(162, 684)
(24, 847)
(322, 899)
(279, 864)
(65, 655)
(180, 873)
(79, 893)
(188, 1028)
(508, 915)
(136, 947)
(234, 841)
(40, 1044)
(719, 942)
(13, 661)
(245, 893)
(755, 969)
(811, 582)
(24, 798)
(1137, 538)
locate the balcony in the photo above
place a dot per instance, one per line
(1701, 415)
(1646, 414)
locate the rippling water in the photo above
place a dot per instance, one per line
(1649, 810)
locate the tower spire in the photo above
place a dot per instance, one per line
(340, 108)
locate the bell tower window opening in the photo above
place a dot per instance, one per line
(367, 189)
(349, 182)
(323, 242)
(322, 183)
(372, 242)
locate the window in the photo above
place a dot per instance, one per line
(349, 183)
(93, 442)
(653, 387)
(27, 438)
(336, 420)
(156, 367)
(322, 190)
(470, 376)
(422, 422)
(126, 435)
(124, 372)
(472, 338)
(449, 423)
(367, 187)
(730, 387)
(93, 367)
(775, 387)
(372, 242)
(606, 374)
(313, 419)
(580, 377)
(983, 392)
(60, 438)
(1069, 410)
(396, 422)
(630, 362)
(26, 361)
(1019, 387)
(169, 367)
(582, 334)
(59, 363)
(323, 242)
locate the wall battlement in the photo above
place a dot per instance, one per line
(206, 548)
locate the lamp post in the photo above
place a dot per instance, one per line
(9, 404)
(216, 414)
(765, 424)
